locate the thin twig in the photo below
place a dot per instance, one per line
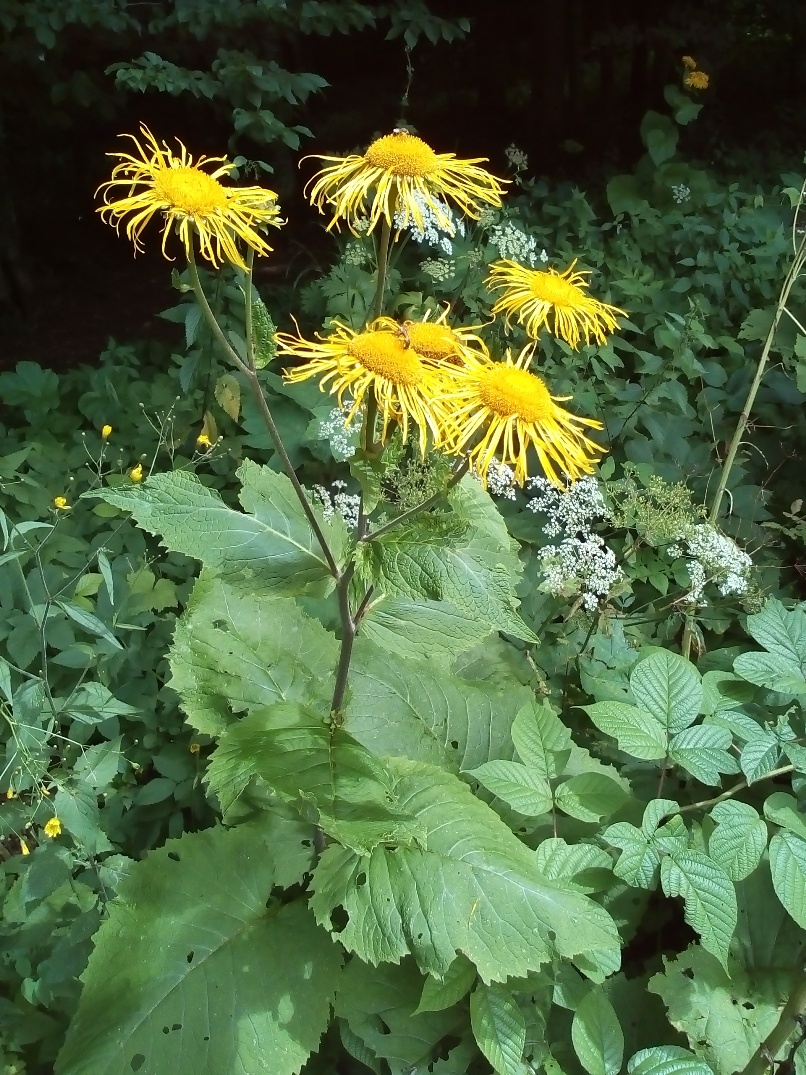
(457, 475)
(733, 791)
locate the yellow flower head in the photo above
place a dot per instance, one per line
(401, 173)
(24, 848)
(513, 410)
(106, 432)
(189, 199)
(194, 748)
(696, 80)
(10, 793)
(435, 341)
(60, 503)
(533, 296)
(136, 473)
(378, 360)
(53, 828)
(203, 441)
(689, 62)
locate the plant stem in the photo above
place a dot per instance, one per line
(348, 630)
(732, 791)
(765, 1054)
(744, 417)
(251, 375)
(457, 475)
(383, 262)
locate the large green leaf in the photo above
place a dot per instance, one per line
(668, 687)
(637, 732)
(666, 1060)
(328, 776)
(473, 565)
(419, 710)
(233, 651)
(788, 869)
(195, 970)
(739, 839)
(703, 751)
(522, 787)
(709, 896)
(470, 886)
(781, 632)
(772, 671)
(541, 739)
(271, 549)
(411, 629)
(499, 1028)
(596, 1035)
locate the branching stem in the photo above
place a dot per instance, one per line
(761, 1060)
(733, 791)
(458, 473)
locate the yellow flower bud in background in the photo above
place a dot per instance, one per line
(53, 828)
(106, 432)
(203, 441)
(24, 847)
(689, 62)
(136, 473)
(60, 503)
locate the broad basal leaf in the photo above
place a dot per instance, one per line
(193, 972)
(709, 896)
(233, 651)
(739, 839)
(276, 551)
(703, 751)
(420, 710)
(470, 886)
(668, 687)
(596, 1035)
(638, 733)
(328, 776)
(499, 1028)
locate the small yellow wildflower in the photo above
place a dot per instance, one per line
(53, 828)
(401, 173)
(689, 62)
(696, 80)
(203, 441)
(513, 410)
(194, 748)
(10, 793)
(189, 200)
(24, 848)
(533, 296)
(60, 503)
(136, 473)
(106, 432)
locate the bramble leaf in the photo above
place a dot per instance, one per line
(703, 752)
(596, 1035)
(709, 896)
(523, 788)
(638, 733)
(739, 839)
(788, 869)
(668, 687)
(499, 1028)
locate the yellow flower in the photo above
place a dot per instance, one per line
(24, 847)
(106, 432)
(406, 388)
(10, 793)
(194, 748)
(532, 296)
(189, 200)
(689, 62)
(696, 80)
(435, 341)
(60, 503)
(53, 828)
(203, 441)
(401, 173)
(136, 473)
(514, 409)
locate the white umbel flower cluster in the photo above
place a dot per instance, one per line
(680, 192)
(336, 502)
(434, 231)
(714, 557)
(512, 242)
(439, 269)
(334, 428)
(501, 480)
(581, 564)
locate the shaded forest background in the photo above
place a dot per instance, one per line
(565, 82)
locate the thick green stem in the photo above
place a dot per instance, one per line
(348, 631)
(383, 263)
(254, 383)
(744, 417)
(762, 1059)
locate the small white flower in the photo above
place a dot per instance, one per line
(501, 480)
(568, 510)
(347, 505)
(334, 428)
(355, 253)
(680, 192)
(435, 230)
(579, 565)
(439, 269)
(512, 242)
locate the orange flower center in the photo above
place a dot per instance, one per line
(402, 154)
(552, 288)
(386, 354)
(433, 341)
(193, 192)
(514, 393)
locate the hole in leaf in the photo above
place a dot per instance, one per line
(338, 919)
(206, 1037)
(748, 1005)
(688, 973)
(137, 1061)
(176, 1026)
(189, 957)
(166, 1030)
(172, 855)
(361, 879)
(307, 843)
(220, 625)
(455, 744)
